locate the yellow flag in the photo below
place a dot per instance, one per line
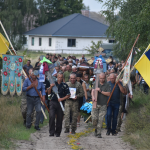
(143, 65)
(3, 43)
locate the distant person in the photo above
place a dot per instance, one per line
(28, 66)
(67, 73)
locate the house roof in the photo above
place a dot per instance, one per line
(75, 25)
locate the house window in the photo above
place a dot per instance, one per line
(24, 40)
(32, 41)
(111, 41)
(40, 41)
(71, 42)
(50, 42)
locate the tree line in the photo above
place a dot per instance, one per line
(19, 16)
(130, 19)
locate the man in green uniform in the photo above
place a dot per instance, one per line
(71, 104)
(99, 112)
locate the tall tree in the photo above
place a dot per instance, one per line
(56, 9)
(16, 16)
(131, 20)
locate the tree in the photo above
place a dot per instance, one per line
(95, 46)
(131, 20)
(51, 10)
(15, 16)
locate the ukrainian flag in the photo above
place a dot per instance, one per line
(4, 44)
(143, 65)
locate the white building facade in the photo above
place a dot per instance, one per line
(70, 35)
(67, 45)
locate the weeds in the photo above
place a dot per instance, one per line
(11, 122)
(137, 127)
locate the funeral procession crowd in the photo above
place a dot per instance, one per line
(75, 86)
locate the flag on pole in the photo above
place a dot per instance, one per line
(143, 65)
(3, 43)
(126, 75)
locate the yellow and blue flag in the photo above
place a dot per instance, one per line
(4, 44)
(143, 65)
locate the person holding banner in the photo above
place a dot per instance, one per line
(113, 105)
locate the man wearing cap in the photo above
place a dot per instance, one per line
(33, 99)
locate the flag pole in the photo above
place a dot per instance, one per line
(8, 38)
(123, 68)
(120, 72)
(22, 69)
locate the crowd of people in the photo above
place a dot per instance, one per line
(68, 76)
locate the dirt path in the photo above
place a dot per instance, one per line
(41, 141)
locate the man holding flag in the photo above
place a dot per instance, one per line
(113, 106)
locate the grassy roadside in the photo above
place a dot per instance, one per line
(137, 127)
(11, 122)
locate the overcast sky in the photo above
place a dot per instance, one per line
(94, 5)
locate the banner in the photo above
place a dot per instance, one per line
(12, 74)
(3, 45)
(126, 76)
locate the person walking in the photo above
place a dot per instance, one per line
(33, 99)
(71, 104)
(99, 112)
(113, 106)
(55, 108)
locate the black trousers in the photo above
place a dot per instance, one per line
(55, 109)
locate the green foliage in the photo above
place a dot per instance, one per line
(51, 10)
(16, 16)
(137, 127)
(132, 19)
(93, 49)
(11, 124)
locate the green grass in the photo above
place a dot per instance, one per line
(137, 125)
(11, 122)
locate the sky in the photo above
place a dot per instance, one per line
(94, 5)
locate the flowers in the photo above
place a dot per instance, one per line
(5, 58)
(11, 84)
(18, 72)
(5, 73)
(20, 60)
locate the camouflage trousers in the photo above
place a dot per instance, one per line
(119, 117)
(71, 105)
(23, 107)
(98, 115)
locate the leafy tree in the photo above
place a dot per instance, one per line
(131, 20)
(95, 46)
(16, 16)
(51, 10)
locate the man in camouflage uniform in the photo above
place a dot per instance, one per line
(71, 104)
(99, 112)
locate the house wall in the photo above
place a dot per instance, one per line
(60, 44)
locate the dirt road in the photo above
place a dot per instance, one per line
(41, 141)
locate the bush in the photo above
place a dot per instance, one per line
(137, 127)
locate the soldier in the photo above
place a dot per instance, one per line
(99, 112)
(71, 104)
